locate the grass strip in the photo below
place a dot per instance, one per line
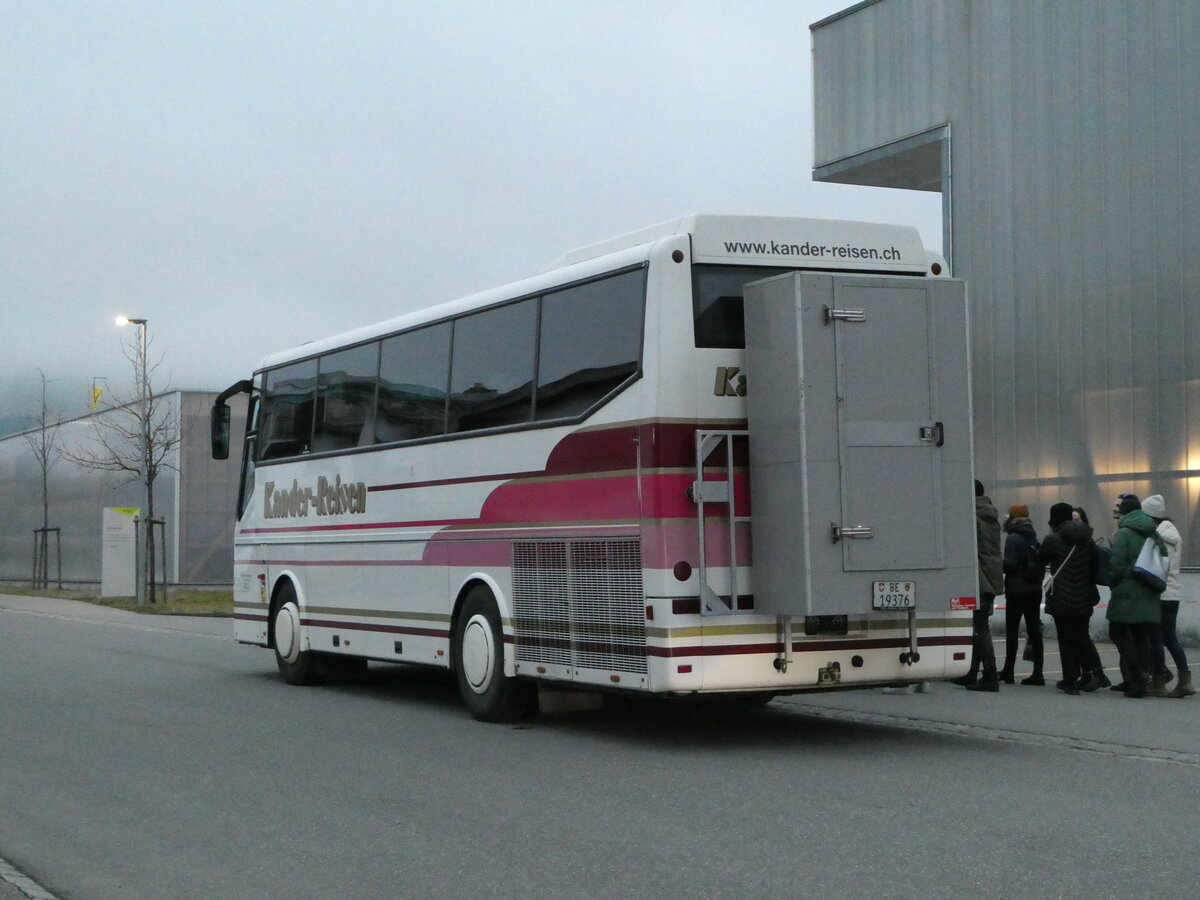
(178, 601)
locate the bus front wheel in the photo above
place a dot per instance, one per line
(296, 665)
(486, 691)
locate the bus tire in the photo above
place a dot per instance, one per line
(486, 691)
(295, 665)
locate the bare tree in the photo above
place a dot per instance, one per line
(42, 439)
(136, 435)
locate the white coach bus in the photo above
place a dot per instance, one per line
(721, 455)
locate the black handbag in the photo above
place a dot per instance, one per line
(1104, 569)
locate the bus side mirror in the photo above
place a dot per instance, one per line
(219, 425)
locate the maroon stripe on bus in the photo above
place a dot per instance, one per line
(803, 646)
(385, 629)
(499, 476)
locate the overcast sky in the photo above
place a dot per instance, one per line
(252, 175)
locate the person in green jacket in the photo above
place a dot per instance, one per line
(1133, 608)
(991, 583)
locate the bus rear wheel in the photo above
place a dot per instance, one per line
(486, 691)
(296, 665)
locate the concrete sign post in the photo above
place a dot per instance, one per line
(118, 570)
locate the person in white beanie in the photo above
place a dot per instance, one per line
(1156, 508)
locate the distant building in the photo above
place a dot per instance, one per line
(196, 501)
(1063, 139)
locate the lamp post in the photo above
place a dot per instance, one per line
(145, 576)
(122, 321)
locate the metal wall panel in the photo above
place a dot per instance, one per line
(208, 493)
(196, 502)
(877, 62)
(1073, 130)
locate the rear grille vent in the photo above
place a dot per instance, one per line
(580, 603)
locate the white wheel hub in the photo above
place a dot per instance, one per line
(478, 653)
(287, 632)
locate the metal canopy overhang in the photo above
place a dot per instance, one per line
(914, 163)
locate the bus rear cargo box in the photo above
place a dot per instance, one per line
(858, 400)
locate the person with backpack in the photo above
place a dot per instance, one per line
(1070, 554)
(1156, 508)
(1133, 607)
(1023, 573)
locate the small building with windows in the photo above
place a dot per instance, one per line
(194, 498)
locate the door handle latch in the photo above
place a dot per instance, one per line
(844, 315)
(852, 531)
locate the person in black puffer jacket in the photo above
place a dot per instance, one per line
(1070, 553)
(1022, 592)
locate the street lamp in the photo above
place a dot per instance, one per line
(122, 321)
(144, 390)
(143, 387)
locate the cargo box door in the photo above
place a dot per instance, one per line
(887, 428)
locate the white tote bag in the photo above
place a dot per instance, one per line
(1150, 568)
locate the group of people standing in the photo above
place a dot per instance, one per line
(1066, 568)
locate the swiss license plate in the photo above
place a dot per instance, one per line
(894, 595)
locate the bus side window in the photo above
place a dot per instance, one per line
(286, 417)
(414, 371)
(345, 397)
(491, 384)
(591, 343)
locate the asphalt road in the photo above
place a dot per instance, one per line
(144, 757)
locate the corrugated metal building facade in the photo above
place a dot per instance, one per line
(1065, 139)
(196, 500)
